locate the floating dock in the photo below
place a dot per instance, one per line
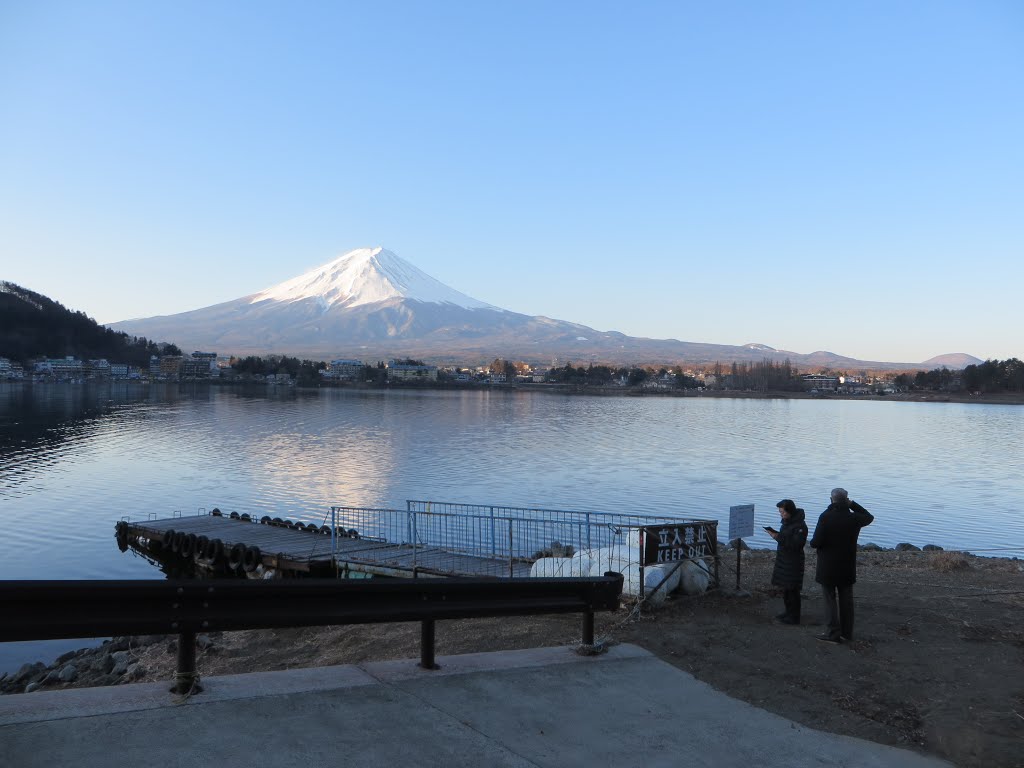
(240, 545)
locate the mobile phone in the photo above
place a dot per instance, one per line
(768, 528)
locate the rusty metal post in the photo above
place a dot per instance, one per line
(588, 627)
(186, 679)
(427, 644)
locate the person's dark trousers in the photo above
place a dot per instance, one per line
(791, 599)
(839, 610)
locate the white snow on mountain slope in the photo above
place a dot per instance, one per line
(366, 276)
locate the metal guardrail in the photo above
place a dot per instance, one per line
(44, 610)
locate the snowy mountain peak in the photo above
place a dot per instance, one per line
(366, 276)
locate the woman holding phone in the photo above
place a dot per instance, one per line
(789, 558)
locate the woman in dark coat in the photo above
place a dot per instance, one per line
(789, 559)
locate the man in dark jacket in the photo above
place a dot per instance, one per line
(835, 538)
(789, 559)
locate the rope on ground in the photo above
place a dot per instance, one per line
(601, 642)
(194, 687)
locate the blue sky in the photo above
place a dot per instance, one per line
(841, 176)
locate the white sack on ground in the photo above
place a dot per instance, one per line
(601, 558)
(560, 566)
(694, 577)
(653, 576)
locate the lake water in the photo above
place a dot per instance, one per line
(74, 459)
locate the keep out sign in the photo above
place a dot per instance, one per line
(680, 541)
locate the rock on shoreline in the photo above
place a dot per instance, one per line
(115, 662)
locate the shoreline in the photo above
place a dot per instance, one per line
(991, 398)
(936, 634)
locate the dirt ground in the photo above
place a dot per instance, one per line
(937, 663)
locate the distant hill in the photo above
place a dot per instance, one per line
(370, 304)
(954, 360)
(32, 325)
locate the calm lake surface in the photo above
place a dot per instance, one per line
(74, 459)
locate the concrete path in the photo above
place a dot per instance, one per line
(541, 707)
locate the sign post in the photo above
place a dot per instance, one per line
(741, 523)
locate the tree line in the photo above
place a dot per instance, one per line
(760, 377)
(599, 375)
(303, 371)
(32, 326)
(989, 377)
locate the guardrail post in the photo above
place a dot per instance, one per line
(588, 627)
(427, 644)
(186, 679)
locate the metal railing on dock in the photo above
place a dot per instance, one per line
(438, 539)
(497, 540)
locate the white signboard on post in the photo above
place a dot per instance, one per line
(741, 521)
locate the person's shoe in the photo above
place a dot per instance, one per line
(830, 639)
(789, 620)
(782, 616)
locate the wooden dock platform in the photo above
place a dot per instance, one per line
(250, 547)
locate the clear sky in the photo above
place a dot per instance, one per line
(809, 175)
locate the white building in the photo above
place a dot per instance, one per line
(343, 369)
(406, 372)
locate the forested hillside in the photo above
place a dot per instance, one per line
(32, 325)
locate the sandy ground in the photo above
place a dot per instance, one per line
(937, 663)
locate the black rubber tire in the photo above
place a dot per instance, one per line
(265, 520)
(325, 530)
(277, 521)
(214, 551)
(216, 512)
(199, 553)
(234, 515)
(353, 533)
(236, 556)
(251, 559)
(177, 541)
(246, 517)
(188, 546)
(168, 542)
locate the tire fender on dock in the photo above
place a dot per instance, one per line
(214, 551)
(251, 559)
(199, 552)
(236, 557)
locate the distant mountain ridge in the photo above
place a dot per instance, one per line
(954, 360)
(371, 304)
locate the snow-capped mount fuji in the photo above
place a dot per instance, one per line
(366, 276)
(370, 304)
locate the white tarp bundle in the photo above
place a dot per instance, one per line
(561, 566)
(692, 577)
